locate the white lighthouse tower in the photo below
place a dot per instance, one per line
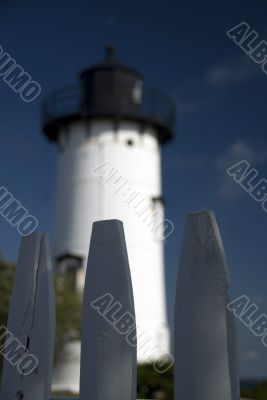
(109, 131)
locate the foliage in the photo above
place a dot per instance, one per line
(68, 304)
(151, 384)
(68, 311)
(261, 391)
(7, 273)
(258, 391)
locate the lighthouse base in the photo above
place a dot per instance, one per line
(66, 376)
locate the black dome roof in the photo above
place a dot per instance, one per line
(110, 63)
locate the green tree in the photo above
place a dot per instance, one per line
(68, 305)
(68, 311)
(7, 273)
(151, 384)
(261, 391)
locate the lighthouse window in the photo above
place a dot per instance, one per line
(158, 217)
(137, 92)
(130, 142)
(70, 266)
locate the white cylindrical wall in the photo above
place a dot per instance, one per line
(103, 174)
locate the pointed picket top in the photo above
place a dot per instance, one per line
(108, 348)
(29, 344)
(204, 340)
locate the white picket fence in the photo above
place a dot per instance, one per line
(205, 366)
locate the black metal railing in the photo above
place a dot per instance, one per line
(69, 102)
(61, 102)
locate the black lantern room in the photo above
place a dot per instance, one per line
(110, 90)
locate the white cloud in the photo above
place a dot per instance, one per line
(251, 355)
(228, 189)
(239, 150)
(213, 82)
(230, 73)
(258, 299)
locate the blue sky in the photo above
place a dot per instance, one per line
(181, 48)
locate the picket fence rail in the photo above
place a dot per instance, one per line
(204, 347)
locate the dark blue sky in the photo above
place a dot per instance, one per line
(182, 48)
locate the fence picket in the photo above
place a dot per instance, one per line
(204, 340)
(32, 323)
(108, 361)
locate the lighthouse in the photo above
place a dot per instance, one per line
(109, 129)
